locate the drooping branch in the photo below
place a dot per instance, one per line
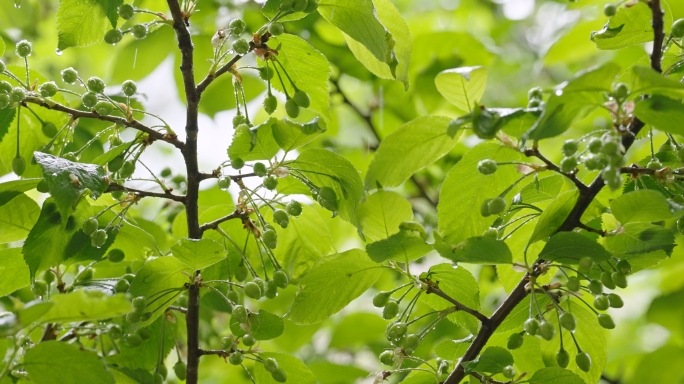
(201, 87)
(135, 124)
(167, 195)
(534, 152)
(460, 306)
(573, 220)
(214, 224)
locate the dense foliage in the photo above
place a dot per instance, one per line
(354, 191)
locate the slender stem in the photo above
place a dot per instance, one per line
(460, 306)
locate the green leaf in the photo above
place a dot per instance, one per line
(84, 305)
(662, 113)
(660, 366)
(645, 205)
(112, 153)
(330, 373)
(555, 375)
(462, 87)
(305, 241)
(404, 246)
(543, 189)
(554, 215)
(307, 67)
(458, 211)
(263, 325)
(392, 20)
(296, 371)
(452, 349)
(14, 271)
(666, 310)
(358, 19)
(47, 361)
(198, 254)
(12, 189)
(2, 47)
(641, 238)
(272, 8)
(475, 250)
(17, 218)
(460, 284)
(256, 143)
(630, 26)
(160, 280)
(328, 169)
(331, 284)
(569, 247)
(381, 213)
(145, 356)
(574, 100)
(646, 80)
(81, 23)
(492, 360)
(139, 57)
(420, 377)
(291, 135)
(6, 118)
(69, 181)
(33, 311)
(347, 333)
(410, 148)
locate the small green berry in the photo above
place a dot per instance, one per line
(515, 341)
(606, 280)
(236, 27)
(302, 99)
(116, 255)
(235, 358)
(299, 5)
(24, 48)
(270, 183)
(546, 330)
(95, 84)
(98, 238)
(678, 29)
(654, 164)
(279, 375)
(570, 147)
(241, 46)
(281, 218)
(122, 286)
(609, 10)
(252, 290)
(281, 279)
(535, 93)
(270, 364)
(573, 284)
(248, 340)
(595, 145)
(294, 208)
(562, 358)
(509, 372)
(583, 361)
(270, 238)
(126, 11)
(619, 279)
(568, 164)
(621, 91)
(391, 310)
(595, 287)
(487, 166)
(531, 326)
(292, 108)
(129, 87)
(103, 108)
(240, 314)
(270, 104)
(585, 263)
(227, 343)
(133, 339)
(601, 302)
(615, 301)
(181, 370)
(606, 321)
(139, 31)
(18, 166)
(567, 321)
(48, 89)
(89, 100)
(266, 73)
(276, 28)
(496, 205)
(69, 75)
(113, 36)
(18, 94)
(387, 358)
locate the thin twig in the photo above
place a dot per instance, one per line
(165, 195)
(460, 306)
(534, 152)
(214, 224)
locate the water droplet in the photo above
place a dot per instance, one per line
(559, 92)
(58, 52)
(17, 4)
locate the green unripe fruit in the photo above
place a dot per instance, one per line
(224, 183)
(240, 313)
(509, 372)
(621, 91)
(260, 283)
(126, 11)
(48, 89)
(252, 290)
(116, 255)
(654, 164)
(236, 27)
(40, 288)
(129, 87)
(391, 310)
(127, 169)
(115, 164)
(145, 334)
(292, 108)
(487, 166)
(266, 73)
(98, 238)
(279, 375)
(609, 10)
(139, 31)
(113, 36)
(496, 205)
(286, 5)
(237, 163)
(624, 266)
(48, 276)
(18, 166)
(270, 364)
(601, 303)
(241, 46)
(103, 108)
(568, 164)
(115, 140)
(411, 342)
(567, 321)
(89, 100)
(276, 29)
(606, 321)
(535, 93)
(227, 343)
(43, 186)
(583, 361)
(615, 301)
(294, 208)
(491, 232)
(531, 326)
(241, 272)
(139, 304)
(302, 99)
(387, 358)
(49, 129)
(235, 358)
(2, 66)
(606, 280)
(166, 172)
(24, 48)
(233, 297)
(17, 95)
(271, 289)
(570, 147)
(680, 225)
(397, 330)
(586, 263)
(95, 84)
(5, 87)
(562, 358)
(114, 331)
(515, 341)
(281, 218)
(70, 156)
(122, 286)
(270, 183)
(181, 370)
(270, 238)
(270, 104)
(595, 145)
(133, 339)
(573, 284)
(609, 147)
(300, 5)
(4, 100)
(86, 275)
(248, 340)
(69, 75)
(546, 330)
(327, 198)
(281, 279)
(619, 279)
(134, 317)
(158, 378)
(678, 29)
(381, 299)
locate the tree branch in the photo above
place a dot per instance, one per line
(201, 87)
(572, 221)
(166, 195)
(534, 152)
(218, 352)
(214, 224)
(460, 306)
(135, 124)
(488, 380)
